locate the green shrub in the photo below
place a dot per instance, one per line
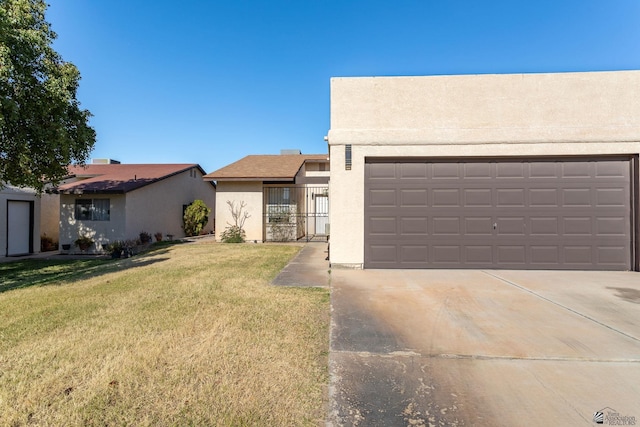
(84, 242)
(233, 234)
(115, 248)
(195, 218)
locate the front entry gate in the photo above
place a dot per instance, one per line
(293, 213)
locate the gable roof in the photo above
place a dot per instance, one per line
(118, 178)
(266, 167)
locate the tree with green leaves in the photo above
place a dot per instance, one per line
(42, 127)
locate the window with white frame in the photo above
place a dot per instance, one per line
(93, 210)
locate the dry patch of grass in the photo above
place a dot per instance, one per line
(192, 335)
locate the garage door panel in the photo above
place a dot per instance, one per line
(612, 255)
(610, 197)
(543, 197)
(579, 256)
(511, 226)
(383, 198)
(477, 170)
(382, 253)
(480, 254)
(446, 197)
(510, 170)
(414, 254)
(447, 226)
(577, 226)
(611, 226)
(576, 197)
(413, 171)
(545, 254)
(446, 254)
(414, 197)
(544, 226)
(414, 226)
(478, 197)
(510, 197)
(445, 171)
(382, 171)
(382, 225)
(555, 214)
(478, 226)
(511, 254)
(543, 170)
(612, 169)
(576, 169)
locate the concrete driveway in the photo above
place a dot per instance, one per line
(461, 347)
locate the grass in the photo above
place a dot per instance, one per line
(187, 335)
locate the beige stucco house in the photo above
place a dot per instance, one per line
(285, 195)
(19, 221)
(526, 171)
(113, 201)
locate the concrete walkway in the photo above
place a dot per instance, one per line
(310, 268)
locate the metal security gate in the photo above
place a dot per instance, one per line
(565, 213)
(294, 213)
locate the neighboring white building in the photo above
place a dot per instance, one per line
(525, 171)
(19, 221)
(110, 202)
(285, 196)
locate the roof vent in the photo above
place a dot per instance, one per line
(105, 162)
(286, 152)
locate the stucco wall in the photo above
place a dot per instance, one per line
(251, 193)
(13, 193)
(102, 232)
(50, 215)
(477, 109)
(477, 115)
(157, 208)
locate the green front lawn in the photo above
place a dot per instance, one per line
(184, 335)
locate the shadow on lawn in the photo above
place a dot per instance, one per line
(39, 272)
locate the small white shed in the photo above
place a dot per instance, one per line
(19, 231)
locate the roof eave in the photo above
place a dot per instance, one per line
(247, 179)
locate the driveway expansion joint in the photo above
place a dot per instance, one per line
(560, 305)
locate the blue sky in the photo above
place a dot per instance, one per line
(209, 82)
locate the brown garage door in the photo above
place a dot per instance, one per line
(516, 213)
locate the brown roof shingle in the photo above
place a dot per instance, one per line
(118, 178)
(267, 167)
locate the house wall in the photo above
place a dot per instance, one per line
(158, 208)
(102, 232)
(50, 215)
(9, 192)
(461, 116)
(249, 192)
(154, 208)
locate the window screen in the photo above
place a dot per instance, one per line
(92, 210)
